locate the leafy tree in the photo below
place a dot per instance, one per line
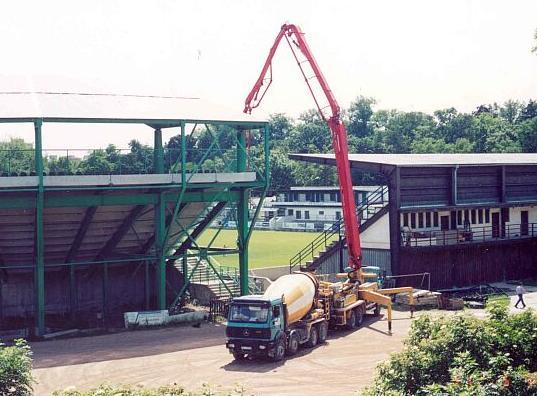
(16, 156)
(96, 163)
(359, 115)
(511, 111)
(280, 127)
(464, 355)
(16, 369)
(528, 135)
(311, 134)
(530, 111)
(139, 160)
(402, 128)
(61, 165)
(281, 167)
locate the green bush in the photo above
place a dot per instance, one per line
(464, 355)
(172, 390)
(16, 369)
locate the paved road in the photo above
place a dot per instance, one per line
(340, 367)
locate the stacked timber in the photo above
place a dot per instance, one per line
(422, 298)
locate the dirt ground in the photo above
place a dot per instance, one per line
(192, 356)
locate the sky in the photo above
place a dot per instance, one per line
(412, 55)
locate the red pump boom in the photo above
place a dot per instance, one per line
(330, 113)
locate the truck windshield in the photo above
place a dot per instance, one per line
(248, 313)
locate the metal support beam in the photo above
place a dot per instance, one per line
(454, 194)
(242, 216)
(160, 235)
(120, 232)
(71, 255)
(39, 239)
(394, 219)
(187, 244)
(60, 201)
(160, 225)
(503, 188)
(151, 240)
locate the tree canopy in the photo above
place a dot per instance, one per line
(491, 128)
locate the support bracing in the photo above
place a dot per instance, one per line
(242, 217)
(39, 239)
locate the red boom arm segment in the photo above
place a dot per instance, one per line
(317, 83)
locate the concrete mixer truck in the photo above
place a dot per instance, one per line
(297, 309)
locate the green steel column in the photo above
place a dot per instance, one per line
(185, 267)
(158, 153)
(160, 225)
(242, 216)
(39, 241)
(146, 284)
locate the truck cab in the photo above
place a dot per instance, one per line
(256, 327)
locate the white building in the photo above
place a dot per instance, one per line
(313, 208)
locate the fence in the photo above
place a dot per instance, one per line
(468, 235)
(218, 307)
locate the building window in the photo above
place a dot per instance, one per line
(405, 219)
(487, 215)
(420, 220)
(338, 215)
(309, 197)
(428, 219)
(459, 217)
(474, 219)
(466, 216)
(307, 214)
(435, 219)
(480, 215)
(281, 212)
(412, 220)
(289, 212)
(321, 212)
(298, 214)
(333, 197)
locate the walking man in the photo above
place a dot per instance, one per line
(520, 292)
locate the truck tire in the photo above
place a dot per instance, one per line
(358, 317)
(351, 320)
(279, 350)
(314, 337)
(292, 344)
(239, 355)
(323, 332)
(376, 311)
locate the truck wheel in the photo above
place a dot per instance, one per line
(376, 311)
(351, 320)
(279, 351)
(323, 332)
(239, 355)
(292, 345)
(358, 317)
(314, 337)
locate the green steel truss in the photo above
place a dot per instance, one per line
(164, 247)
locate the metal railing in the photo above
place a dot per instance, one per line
(468, 235)
(114, 161)
(372, 204)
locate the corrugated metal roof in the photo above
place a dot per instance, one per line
(412, 160)
(114, 107)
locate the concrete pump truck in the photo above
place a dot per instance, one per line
(297, 309)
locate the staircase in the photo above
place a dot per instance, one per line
(205, 275)
(333, 239)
